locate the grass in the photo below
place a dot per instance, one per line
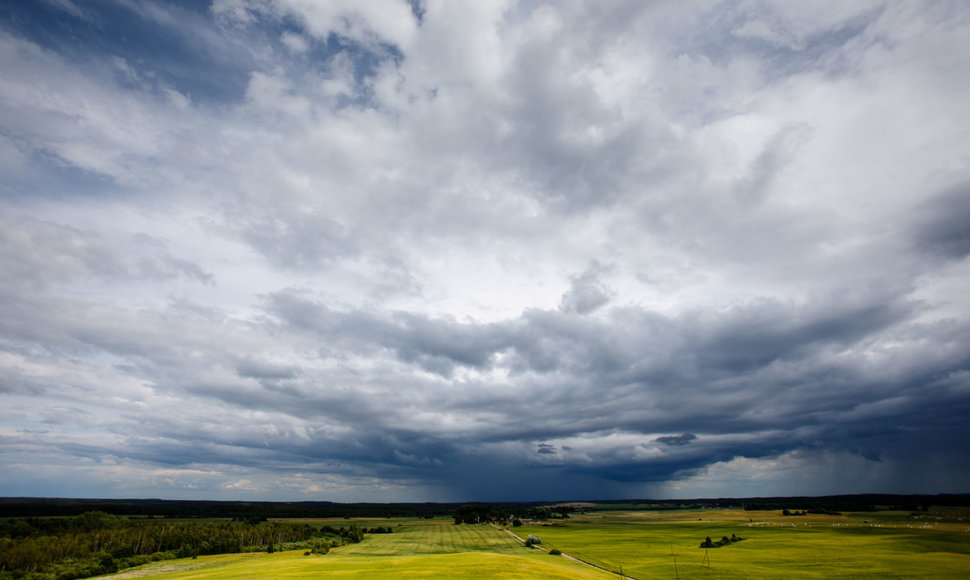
(294, 565)
(650, 544)
(435, 537)
(417, 548)
(643, 544)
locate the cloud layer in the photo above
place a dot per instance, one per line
(280, 249)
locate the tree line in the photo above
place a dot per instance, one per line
(33, 507)
(480, 513)
(241, 510)
(98, 543)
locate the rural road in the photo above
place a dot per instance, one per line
(564, 555)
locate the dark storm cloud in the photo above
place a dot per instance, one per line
(680, 370)
(472, 251)
(684, 439)
(620, 362)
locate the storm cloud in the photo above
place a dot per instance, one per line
(425, 251)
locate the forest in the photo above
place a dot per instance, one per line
(21, 507)
(99, 543)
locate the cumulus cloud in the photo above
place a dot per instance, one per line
(586, 293)
(429, 251)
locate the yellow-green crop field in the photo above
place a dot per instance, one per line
(641, 544)
(855, 545)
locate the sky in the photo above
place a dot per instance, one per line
(451, 251)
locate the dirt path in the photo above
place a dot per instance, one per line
(152, 570)
(564, 555)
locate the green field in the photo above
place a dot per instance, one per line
(642, 544)
(666, 544)
(418, 548)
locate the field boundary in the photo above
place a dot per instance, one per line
(564, 555)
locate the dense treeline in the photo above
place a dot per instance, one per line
(814, 504)
(835, 504)
(242, 511)
(479, 513)
(99, 543)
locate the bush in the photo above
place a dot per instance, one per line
(379, 530)
(107, 564)
(555, 552)
(724, 541)
(132, 561)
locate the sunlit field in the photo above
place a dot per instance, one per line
(418, 547)
(853, 545)
(934, 544)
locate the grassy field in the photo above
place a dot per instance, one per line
(642, 544)
(294, 565)
(418, 548)
(666, 544)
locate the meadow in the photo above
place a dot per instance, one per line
(852, 545)
(418, 548)
(641, 544)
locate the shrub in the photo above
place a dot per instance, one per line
(132, 561)
(555, 552)
(724, 541)
(107, 563)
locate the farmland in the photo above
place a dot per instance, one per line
(427, 548)
(853, 545)
(643, 544)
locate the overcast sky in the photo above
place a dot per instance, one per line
(446, 251)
